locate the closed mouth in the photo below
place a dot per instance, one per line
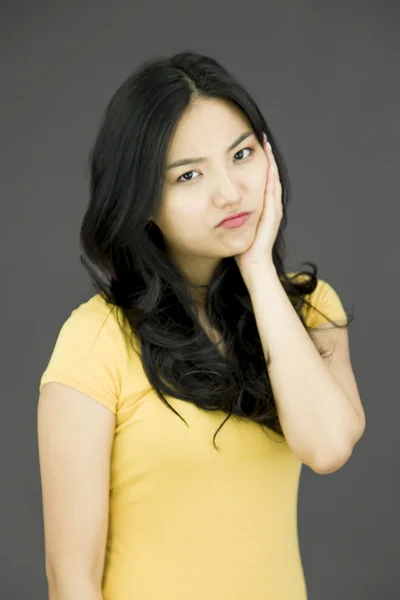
(235, 216)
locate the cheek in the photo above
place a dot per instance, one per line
(258, 175)
(184, 205)
(184, 215)
(258, 190)
(181, 218)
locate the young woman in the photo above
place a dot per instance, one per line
(181, 400)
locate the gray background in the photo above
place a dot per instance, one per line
(326, 76)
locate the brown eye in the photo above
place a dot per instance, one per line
(182, 177)
(244, 150)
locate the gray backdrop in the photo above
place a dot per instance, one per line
(326, 76)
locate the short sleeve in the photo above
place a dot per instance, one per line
(325, 299)
(88, 353)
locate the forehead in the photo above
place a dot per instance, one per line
(207, 120)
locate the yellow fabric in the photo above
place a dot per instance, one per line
(186, 522)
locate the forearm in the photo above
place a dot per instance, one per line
(73, 588)
(316, 415)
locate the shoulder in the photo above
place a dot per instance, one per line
(89, 352)
(93, 325)
(325, 299)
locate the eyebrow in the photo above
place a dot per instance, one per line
(194, 160)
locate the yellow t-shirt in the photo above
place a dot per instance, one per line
(185, 521)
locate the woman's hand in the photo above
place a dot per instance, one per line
(260, 252)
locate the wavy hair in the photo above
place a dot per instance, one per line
(125, 255)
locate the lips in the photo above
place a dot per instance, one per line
(235, 216)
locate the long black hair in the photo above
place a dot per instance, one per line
(125, 253)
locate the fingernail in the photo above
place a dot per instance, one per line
(269, 146)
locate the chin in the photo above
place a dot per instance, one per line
(242, 244)
(238, 249)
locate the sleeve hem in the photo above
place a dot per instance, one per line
(81, 387)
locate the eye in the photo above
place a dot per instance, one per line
(244, 150)
(182, 178)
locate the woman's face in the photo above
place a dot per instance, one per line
(197, 195)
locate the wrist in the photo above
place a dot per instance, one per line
(259, 273)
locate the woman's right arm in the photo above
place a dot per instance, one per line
(75, 437)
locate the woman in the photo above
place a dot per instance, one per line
(195, 330)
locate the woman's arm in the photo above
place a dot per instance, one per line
(75, 435)
(72, 588)
(320, 413)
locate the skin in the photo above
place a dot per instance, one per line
(197, 196)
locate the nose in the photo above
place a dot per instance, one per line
(227, 192)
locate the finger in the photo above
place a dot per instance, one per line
(264, 141)
(270, 180)
(273, 172)
(271, 156)
(273, 162)
(267, 148)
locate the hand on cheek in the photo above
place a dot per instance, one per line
(260, 252)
